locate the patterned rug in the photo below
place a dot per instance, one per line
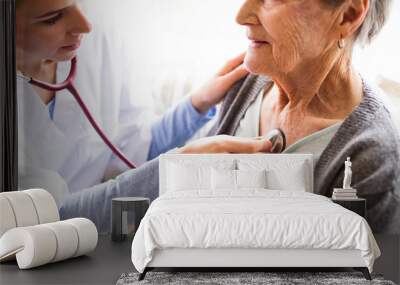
(244, 278)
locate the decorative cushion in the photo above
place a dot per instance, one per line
(223, 179)
(182, 178)
(186, 176)
(251, 179)
(238, 179)
(289, 174)
(295, 180)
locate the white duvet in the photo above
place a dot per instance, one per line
(250, 219)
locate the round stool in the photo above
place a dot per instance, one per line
(126, 214)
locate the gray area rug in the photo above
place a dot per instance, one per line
(269, 278)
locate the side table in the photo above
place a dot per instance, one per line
(358, 205)
(126, 214)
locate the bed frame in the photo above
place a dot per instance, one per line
(242, 259)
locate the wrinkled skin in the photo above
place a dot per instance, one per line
(299, 33)
(295, 42)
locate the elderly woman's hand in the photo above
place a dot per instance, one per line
(213, 91)
(227, 144)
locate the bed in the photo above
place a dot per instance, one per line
(247, 211)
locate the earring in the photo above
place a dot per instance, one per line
(341, 43)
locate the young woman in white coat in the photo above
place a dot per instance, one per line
(58, 148)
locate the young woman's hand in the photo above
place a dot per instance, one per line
(214, 91)
(227, 144)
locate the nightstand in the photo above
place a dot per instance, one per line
(126, 214)
(358, 205)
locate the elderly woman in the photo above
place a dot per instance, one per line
(300, 51)
(306, 85)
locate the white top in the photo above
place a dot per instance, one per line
(313, 144)
(249, 126)
(65, 154)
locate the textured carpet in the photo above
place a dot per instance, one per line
(231, 278)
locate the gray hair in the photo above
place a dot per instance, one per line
(374, 21)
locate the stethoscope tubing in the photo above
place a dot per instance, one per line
(69, 85)
(71, 88)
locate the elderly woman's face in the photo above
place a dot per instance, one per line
(286, 34)
(49, 29)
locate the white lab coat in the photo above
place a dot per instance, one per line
(66, 155)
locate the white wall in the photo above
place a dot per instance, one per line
(177, 44)
(382, 57)
(178, 41)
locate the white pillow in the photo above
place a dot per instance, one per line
(292, 180)
(185, 178)
(284, 174)
(251, 178)
(187, 175)
(238, 179)
(223, 179)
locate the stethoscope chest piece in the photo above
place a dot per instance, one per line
(278, 139)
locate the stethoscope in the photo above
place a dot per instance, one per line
(278, 140)
(69, 85)
(276, 136)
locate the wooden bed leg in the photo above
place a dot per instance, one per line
(142, 275)
(365, 272)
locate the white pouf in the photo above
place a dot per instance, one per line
(31, 233)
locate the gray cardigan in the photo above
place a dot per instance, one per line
(368, 136)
